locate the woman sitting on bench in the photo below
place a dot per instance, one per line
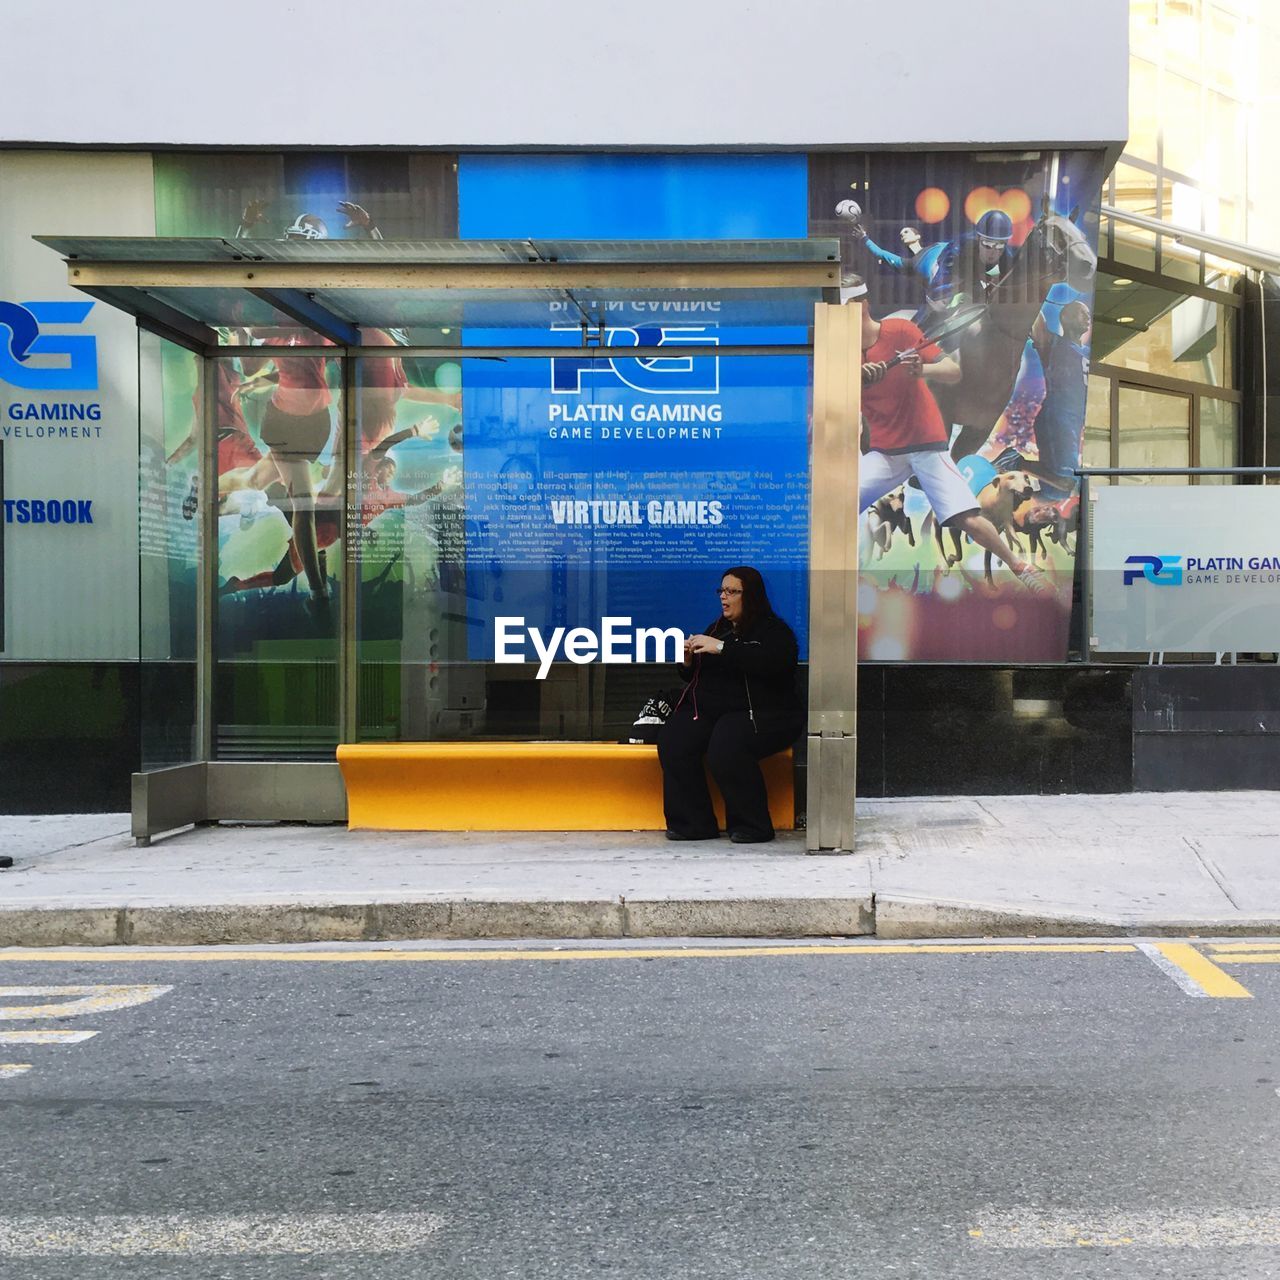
(738, 706)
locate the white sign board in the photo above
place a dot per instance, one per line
(1185, 569)
(68, 413)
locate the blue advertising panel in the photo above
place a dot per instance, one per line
(633, 197)
(621, 486)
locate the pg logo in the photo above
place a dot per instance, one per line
(654, 375)
(1160, 571)
(22, 336)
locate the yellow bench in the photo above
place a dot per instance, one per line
(522, 786)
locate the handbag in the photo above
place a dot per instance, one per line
(653, 715)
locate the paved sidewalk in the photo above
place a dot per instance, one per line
(951, 866)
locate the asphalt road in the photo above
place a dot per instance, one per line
(862, 1111)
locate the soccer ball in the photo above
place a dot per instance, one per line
(849, 209)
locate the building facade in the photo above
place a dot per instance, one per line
(564, 490)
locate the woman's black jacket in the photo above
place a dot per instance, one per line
(756, 673)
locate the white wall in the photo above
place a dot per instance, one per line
(550, 73)
(71, 592)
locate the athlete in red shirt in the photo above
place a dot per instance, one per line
(908, 437)
(899, 409)
(383, 384)
(237, 449)
(296, 425)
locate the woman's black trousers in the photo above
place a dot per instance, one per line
(732, 749)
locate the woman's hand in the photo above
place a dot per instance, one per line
(702, 644)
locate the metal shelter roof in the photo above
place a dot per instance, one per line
(185, 288)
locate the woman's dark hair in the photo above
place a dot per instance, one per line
(755, 599)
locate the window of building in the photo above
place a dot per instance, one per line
(1163, 391)
(1219, 436)
(1154, 431)
(1144, 113)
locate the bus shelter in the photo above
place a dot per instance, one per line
(362, 462)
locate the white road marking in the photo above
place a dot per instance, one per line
(1142, 1228)
(1180, 976)
(45, 1037)
(91, 999)
(1194, 972)
(183, 1235)
(72, 1002)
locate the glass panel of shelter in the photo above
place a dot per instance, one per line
(279, 573)
(430, 579)
(406, 521)
(171, 414)
(542, 508)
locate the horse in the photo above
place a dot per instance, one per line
(990, 351)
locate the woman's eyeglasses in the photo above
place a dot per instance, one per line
(728, 591)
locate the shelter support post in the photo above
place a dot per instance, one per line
(833, 578)
(348, 640)
(206, 559)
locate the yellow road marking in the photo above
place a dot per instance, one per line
(10, 1069)
(1202, 971)
(108, 955)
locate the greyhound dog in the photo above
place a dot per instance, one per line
(1032, 520)
(884, 518)
(1000, 499)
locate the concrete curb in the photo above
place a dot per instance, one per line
(866, 915)
(897, 917)
(750, 918)
(260, 923)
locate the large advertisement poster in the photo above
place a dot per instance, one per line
(280, 416)
(623, 486)
(977, 274)
(305, 195)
